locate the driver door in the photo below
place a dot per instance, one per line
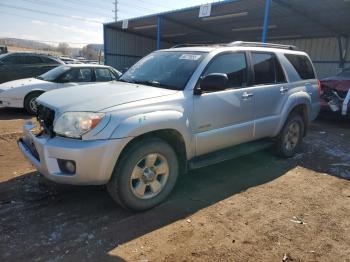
(224, 118)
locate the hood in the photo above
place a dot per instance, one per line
(97, 97)
(22, 83)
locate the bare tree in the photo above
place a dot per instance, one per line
(63, 48)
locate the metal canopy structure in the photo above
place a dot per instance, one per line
(250, 20)
(319, 27)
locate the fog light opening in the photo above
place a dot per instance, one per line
(66, 166)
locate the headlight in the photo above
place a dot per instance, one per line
(75, 124)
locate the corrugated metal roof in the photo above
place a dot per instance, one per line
(289, 19)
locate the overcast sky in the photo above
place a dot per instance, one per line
(74, 21)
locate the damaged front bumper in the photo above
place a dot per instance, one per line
(333, 102)
(94, 160)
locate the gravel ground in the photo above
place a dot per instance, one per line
(253, 208)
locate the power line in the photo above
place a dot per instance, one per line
(44, 21)
(49, 13)
(80, 4)
(148, 3)
(64, 7)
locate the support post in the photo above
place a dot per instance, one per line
(341, 53)
(104, 43)
(266, 20)
(158, 31)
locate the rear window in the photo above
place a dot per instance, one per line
(302, 65)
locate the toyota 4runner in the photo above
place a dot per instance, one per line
(174, 110)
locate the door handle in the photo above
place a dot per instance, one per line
(283, 90)
(247, 95)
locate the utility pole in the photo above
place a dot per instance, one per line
(116, 10)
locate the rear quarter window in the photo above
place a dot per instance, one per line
(48, 60)
(302, 65)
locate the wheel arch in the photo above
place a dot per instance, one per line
(171, 136)
(31, 92)
(296, 105)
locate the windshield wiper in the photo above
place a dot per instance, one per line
(39, 77)
(125, 81)
(156, 84)
(149, 83)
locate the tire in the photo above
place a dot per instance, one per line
(136, 162)
(29, 102)
(291, 136)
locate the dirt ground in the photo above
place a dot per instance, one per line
(253, 208)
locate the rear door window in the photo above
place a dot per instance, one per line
(264, 70)
(47, 60)
(78, 75)
(103, 75)
(232, 64)
(31, 59)
(302, 65)
(267, 69)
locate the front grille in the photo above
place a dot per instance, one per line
(46, 117)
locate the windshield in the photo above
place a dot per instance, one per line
(166, 69)
(53, 74)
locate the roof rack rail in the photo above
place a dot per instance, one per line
(189, 45)
(260, 44)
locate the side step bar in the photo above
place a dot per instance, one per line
(229, 153)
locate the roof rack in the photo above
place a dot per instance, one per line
(189, 45)
(260, 44)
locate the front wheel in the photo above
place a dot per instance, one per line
(145, 175)
(30, 104)
(291, 136)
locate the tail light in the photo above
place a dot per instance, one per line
(319, 91)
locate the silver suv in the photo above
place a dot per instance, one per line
(174, 110)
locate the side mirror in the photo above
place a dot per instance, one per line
(212, 82)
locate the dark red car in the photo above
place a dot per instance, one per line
(335, 93)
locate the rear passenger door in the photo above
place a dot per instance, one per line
(270, 91)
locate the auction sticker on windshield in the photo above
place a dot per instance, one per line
(190, 57)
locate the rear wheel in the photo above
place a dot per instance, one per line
(291, 136)
(30, 104)
(145, 175)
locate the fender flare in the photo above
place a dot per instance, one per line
(296, 99)
(141, 124)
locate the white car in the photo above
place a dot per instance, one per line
(23, 93)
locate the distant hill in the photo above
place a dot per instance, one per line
(25, 43)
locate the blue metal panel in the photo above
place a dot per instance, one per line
(266, 20)
(158, 31)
